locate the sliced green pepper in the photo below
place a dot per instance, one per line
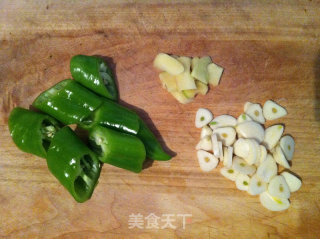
(32, 131)
(153, 147)
(113, 115)
(68, 101)
(119, 149)
(93, 73)
(73, 164)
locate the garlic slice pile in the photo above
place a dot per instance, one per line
(251, 154)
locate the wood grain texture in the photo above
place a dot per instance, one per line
(270, 50)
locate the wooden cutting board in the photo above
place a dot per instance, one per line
(270, 50)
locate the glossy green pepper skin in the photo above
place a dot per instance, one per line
(115, 116)
(73, 164)
(68, 101)
(32, 131)
(93, 73)
(118, 149)
(153, 147)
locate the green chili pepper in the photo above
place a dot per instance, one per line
(93, 73)
(32, 131)
(113, 115)
(68, 101)
(153, 147)
(73, 164)
(119, 149)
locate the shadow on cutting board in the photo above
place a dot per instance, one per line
(316, 69)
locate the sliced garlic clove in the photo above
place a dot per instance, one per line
(229, 173)
(255, 112)
(227, 157)
(294, 183)
(279, 157)
(242, 182)
(243, 118)
(169, 64)
(223, 121)
(205, 143)
(256, 186)
(272, 110)
(242, 167)
(198, 146)
(206, 161)
(246, 106)
(241, 148)
(272, 135)
(250, 129)
(278, 187)
(267, 169)
(263, 154)
(203, 117)
(205, 131)
(215, 145)
(220, 151)
(287, 145)
(226, 134)
(273, 203)
(253, 151)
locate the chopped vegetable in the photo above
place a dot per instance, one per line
(202, 88)
(226, 134)
(293, 181)
(183, 84)
(223, 121)
(242, 167)
(272, 110)
(181, 97)
(169, 64)
(250, 129)
(279, 157)
(184, 80)
(203, 117)
(229, 173)
(93, 73)
(263, 154)
(215, 145)
(31, 131)
(255, 112)
(200, 71)
(242, 182)
(272, 136)
(68, 102)
(256, 186)
(168, 81)
(205, 131)
(227, 157)
(258, 154)
(73, 164)
(267, 169)
(274, 203)
(117, 148)
(241, 148)
(205, 143)
(243, 118)
(206, 161)
(287, 145)
(215, 73)
(278, 187)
